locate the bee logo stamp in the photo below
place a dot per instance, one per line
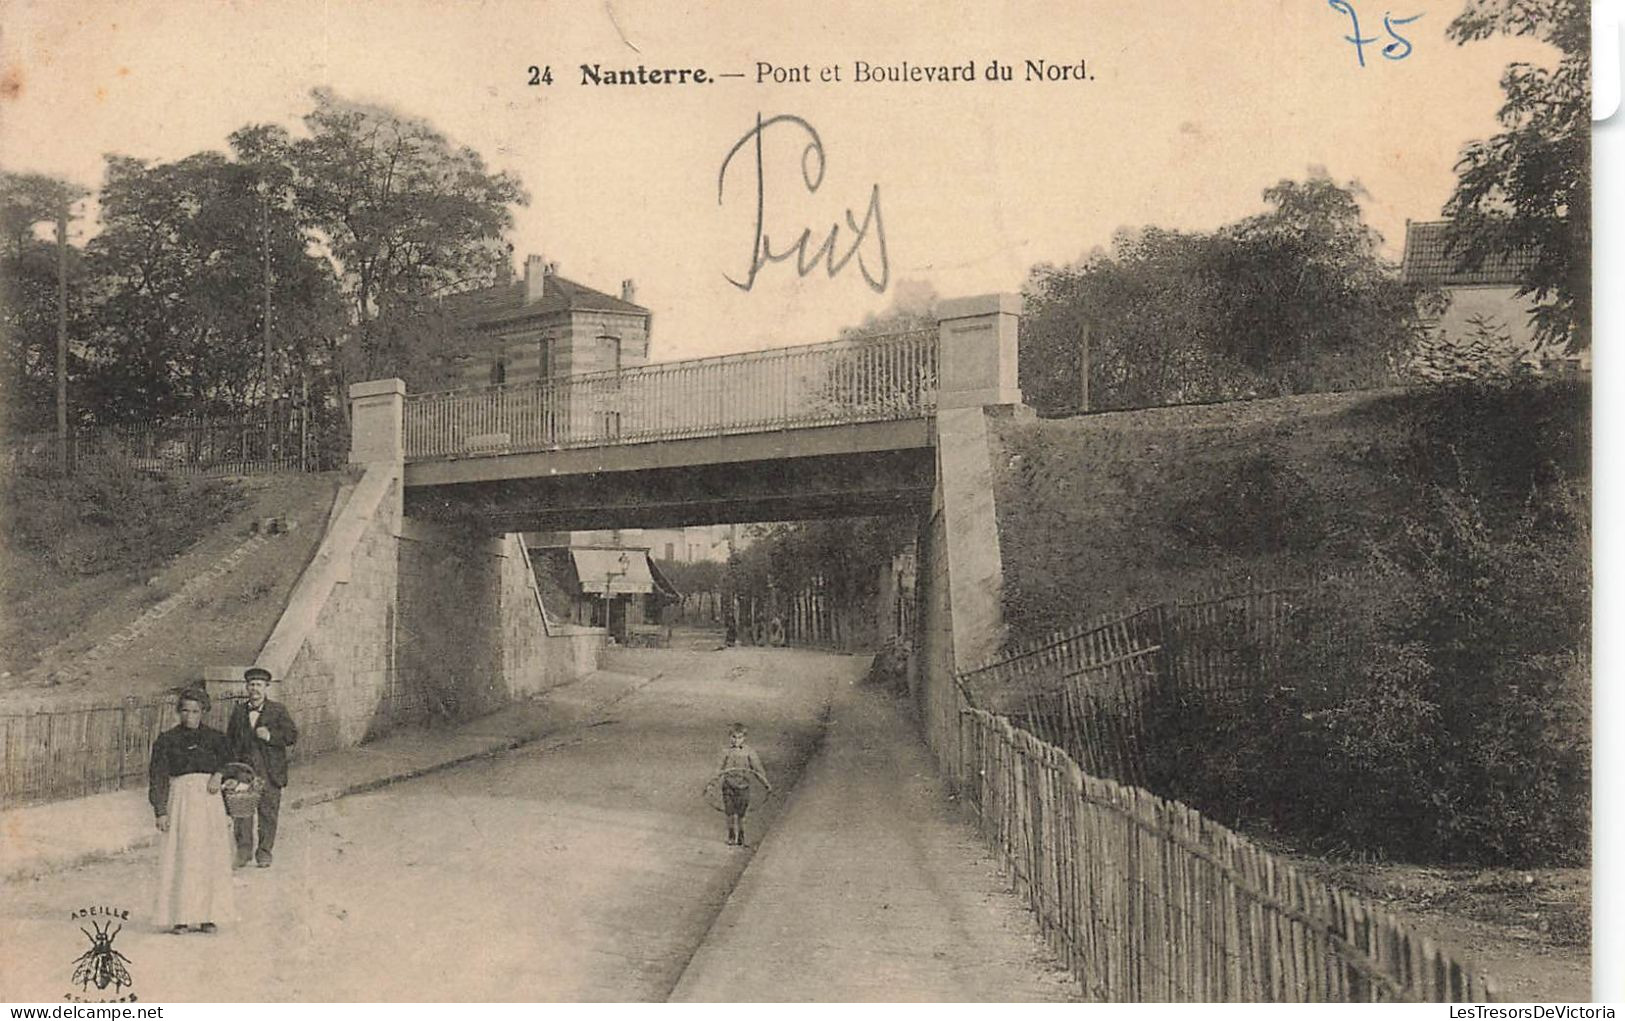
(101, 969)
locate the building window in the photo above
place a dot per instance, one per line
(609, 353)
(545, 359)
(499, 370)
(671, 552)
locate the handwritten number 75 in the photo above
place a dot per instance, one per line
(1398, 48)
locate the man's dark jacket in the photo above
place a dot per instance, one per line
(269, 759)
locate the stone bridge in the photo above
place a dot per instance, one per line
(822, 430)
(421, 603)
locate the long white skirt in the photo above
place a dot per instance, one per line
(194, 858)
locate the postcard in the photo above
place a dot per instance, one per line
(524, 500)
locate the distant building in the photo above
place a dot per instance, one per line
(1485, 324)
(602, 586)
(691, 545)
(1483, 297)
(545, 325)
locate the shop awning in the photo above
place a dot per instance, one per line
(618, 571)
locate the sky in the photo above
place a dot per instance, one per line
(1189, 112)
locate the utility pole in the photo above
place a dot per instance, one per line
(62, 335)
(1083, 368)
(265, 262)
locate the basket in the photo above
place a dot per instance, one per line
(244, 801)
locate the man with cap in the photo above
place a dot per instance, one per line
(260, 732)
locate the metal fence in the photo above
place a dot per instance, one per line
(1146, 900)
(849, 381)
(289, 440)
(1088, 689)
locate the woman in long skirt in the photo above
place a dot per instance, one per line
(194, 858)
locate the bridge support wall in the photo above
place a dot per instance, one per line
(332, 651)
(471, 636)
(960, 618)
(398, 622)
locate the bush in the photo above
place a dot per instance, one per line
(1264, 507)
(1433, 706)
(109, 517)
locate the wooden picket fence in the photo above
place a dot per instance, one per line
(69, 753)
(1146, 900)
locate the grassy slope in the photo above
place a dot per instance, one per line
(53, 620)
(1094, 510)
(1089, 524)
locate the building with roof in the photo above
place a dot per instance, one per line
(1484, 297)
(544, 325)
(615, 587)
(691, 544)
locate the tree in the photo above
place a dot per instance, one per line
(842, 559)
(1528, 189)
(1307, 301)
(1294, 299)
(404, 216)
(1145, 309)
(913, 307)
(180, 306)
(29, 283)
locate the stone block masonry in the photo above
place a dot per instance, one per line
(400, 623)
(333, 649)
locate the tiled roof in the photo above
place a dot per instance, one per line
(1428, 260)
(492, 305)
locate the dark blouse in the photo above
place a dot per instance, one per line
(180, 751)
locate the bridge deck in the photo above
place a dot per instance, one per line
(816, 431)
(832, 471)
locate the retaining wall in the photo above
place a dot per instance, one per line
(399, 622)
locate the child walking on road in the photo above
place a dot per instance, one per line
(739, 764)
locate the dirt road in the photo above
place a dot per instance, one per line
(585, 866)
(871, 887)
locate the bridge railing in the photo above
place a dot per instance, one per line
(863, 380)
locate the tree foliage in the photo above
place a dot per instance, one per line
(841, 558)
(1452, 708)
(1527, 190)
(1433, 703)
(28, 296)
(178, 276)
(691, 576)
(1294, 299)
(358, 225)
(404, 216)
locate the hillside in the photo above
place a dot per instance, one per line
(1105, 512)
(80, 636)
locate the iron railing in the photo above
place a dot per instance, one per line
(250, 443)
(849, 381)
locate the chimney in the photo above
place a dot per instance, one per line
(535, 270)
(629, 290)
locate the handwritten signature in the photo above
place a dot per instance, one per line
(871, 232)
(1398, 49)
